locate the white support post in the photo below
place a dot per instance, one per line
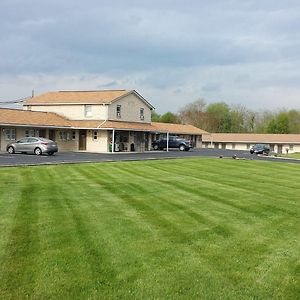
(113, 142)
(167, 141)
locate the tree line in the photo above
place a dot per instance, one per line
(223, 118)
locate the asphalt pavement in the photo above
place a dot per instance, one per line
(84, 157)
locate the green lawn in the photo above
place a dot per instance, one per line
(291, 155)
(174, 229)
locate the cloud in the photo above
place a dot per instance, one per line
(240, 51)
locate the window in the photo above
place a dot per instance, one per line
(63, 135)
(22, 141)
(291, 147)
(32, 140)
(88, 111)
(95, 135)
(28, 107)
(118, 111)
(29, 132)
(233, 145)
(10, 134)
(142, 117)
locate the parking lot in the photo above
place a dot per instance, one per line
(84, 157)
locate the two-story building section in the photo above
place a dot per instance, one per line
(91, 121)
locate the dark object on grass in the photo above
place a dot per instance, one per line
(221, 156)
(234, 156)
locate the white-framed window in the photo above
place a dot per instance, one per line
(142, 117)
(88, 111)
(73, 135)
(291, 147)
(95, 135)
(118, 111)
(62, 135)
(10, 134)
(29, 132)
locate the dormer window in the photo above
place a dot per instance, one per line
(142, 117)
(118, 112)
(88, 111)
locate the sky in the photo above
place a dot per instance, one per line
(173, 52)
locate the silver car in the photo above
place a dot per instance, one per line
(34, 145)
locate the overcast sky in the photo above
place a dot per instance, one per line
(173, 52)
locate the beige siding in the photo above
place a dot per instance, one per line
(98, 145)
(130, 110)
(67, 144)
(74, 112)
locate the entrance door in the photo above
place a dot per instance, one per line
(279, 148)
(52, 135)
(82, 139)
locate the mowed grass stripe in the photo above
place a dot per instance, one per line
(191, 228)
(19, 265)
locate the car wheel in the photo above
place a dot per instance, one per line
(181, 147)
(50, 153)
(11, 150)
(37, 151)
(155, 147)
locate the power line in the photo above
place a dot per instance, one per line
(15, 101)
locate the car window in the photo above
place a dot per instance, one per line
(32, 140)
(22, 141)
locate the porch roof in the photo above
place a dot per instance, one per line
(17, 117)
(135, 126)
(20, 117)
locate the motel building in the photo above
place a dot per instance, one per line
(279, 143)
(91, 121)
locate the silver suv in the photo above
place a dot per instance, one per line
(34, 145)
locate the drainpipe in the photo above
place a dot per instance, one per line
(211, 142)
(167, 141)
(113, 142)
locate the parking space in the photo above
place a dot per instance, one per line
(84, 157)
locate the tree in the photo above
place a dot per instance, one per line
(195, 114)
(155, 117)
(169, 117)
(279, 124)
(238, 119)
(294, 121)
(220, 115)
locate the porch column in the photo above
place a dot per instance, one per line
(113, 142)
(167, 141)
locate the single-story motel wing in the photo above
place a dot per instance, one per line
(279, 143)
